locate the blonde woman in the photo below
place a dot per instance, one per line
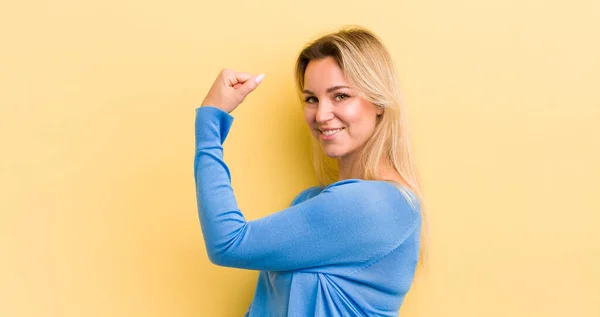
(349, 247)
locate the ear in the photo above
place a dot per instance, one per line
(379, 109)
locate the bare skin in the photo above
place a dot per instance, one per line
(339, 108)
(331, 104)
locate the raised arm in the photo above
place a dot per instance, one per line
(350, 223)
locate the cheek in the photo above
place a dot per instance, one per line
(309, 117)
(361, 117)
(355, 114)
(353, 111)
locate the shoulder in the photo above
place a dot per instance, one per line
(371, 209)
(369, 194)
(348, 187)
(382, 197)
(307, 194)
(365, 189)
(388, 210)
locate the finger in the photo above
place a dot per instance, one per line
(234, 78)
(250, 85)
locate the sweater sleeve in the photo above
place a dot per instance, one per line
(349, 223)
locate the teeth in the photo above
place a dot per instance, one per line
(330, 132)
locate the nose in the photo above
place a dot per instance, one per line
(324, 112)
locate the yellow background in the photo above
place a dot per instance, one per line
(98, 209)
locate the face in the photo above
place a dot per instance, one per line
(338, 118)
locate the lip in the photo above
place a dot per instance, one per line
(329, 137)
(329, 129)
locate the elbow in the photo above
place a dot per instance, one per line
(226, 250)
(235, 258)
(221, 257)
(217, 258)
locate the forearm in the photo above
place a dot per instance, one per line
(220, 218)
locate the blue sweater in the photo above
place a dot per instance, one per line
(349, 249)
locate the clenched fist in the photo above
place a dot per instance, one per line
(230, 89)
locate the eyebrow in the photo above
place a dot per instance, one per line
(334, 88)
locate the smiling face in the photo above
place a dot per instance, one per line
(338, 118)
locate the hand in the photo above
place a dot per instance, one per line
(230, 89)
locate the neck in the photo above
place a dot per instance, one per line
(347, 170)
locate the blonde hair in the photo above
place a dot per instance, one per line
(368, 67)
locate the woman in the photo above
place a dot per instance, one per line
(349, 247)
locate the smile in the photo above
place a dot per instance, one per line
(331, 132)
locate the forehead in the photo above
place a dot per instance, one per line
(323, 73)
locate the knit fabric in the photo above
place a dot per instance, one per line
(348, 249)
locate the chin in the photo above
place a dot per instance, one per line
(333, 154)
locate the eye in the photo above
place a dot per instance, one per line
(310, 99)
(340, 97)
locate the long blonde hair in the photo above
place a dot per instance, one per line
(368, 67)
